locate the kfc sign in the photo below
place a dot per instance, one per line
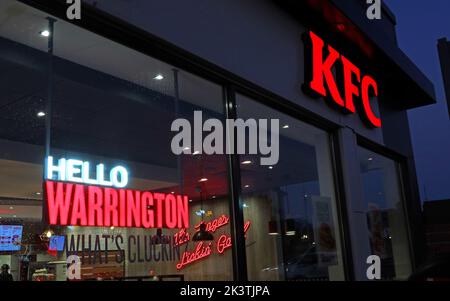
(357, 88)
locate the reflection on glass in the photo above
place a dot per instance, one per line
(386, 221)
(291, 204)
(110, 105)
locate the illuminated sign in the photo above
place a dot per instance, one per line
(181, 237)
(215, 224)
(203, 250)
(322, 63)
(71, 204)
(77, 171)
(224, 241)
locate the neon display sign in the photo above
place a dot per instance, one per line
(215, 224)
(203, 250)
(71, 204)
(224, 241)
(77, 171)
(321, 62)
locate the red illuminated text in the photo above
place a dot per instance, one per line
(181, 237)
(201, 251)
(224, 241)
(321, 79)
(80, 205)
(215, 224)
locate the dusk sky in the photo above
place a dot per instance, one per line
(420, 23)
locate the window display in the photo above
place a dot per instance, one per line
(106, 189)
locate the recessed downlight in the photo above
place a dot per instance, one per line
(45, 33)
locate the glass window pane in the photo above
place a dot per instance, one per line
(386, 221)
(291, 205)
(113, 106)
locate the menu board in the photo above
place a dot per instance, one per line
(10, 237)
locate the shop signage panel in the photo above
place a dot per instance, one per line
(331, 75)
(73, 200)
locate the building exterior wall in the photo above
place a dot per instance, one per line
(330, 163)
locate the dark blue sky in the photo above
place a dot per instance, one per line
(420, 23)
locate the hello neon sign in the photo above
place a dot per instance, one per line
(77, 171)
(321, 63)
(104, 202)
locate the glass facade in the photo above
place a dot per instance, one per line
(293, 204)
(99, 105)
(386, 219)
(114, 106)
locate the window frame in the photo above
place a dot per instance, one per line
(406, 193)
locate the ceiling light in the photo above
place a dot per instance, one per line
(286, 126)
(49, 234)
(196, 153)
(247, 162)
(112, 228)
(213, 196)
(11, 208)
(14, 215)
(173, 192)
(40, 114)
(45, 33)
(38, 193)
(203, 180)
(370, 159)
(270, 167)
(190, 201)
(247, 186)
(159, 77)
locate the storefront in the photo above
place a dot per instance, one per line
(86, 166)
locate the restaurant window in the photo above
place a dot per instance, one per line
(111, 107)
(291, 204)
(384, 207)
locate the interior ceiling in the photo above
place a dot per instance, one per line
(22, 24)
